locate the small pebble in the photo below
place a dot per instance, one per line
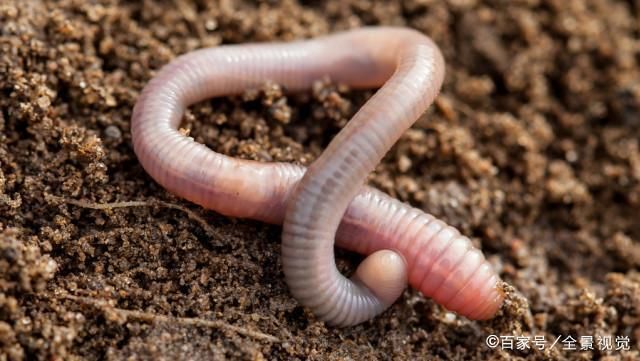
(113, 132)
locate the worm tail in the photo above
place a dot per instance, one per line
(442, 263)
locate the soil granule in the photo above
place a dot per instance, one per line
(532, 149)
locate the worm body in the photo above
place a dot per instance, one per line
(404, 243)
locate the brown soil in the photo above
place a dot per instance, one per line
(532, 149)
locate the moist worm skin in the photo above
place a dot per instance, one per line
(329, 199)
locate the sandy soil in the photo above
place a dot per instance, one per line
(532, 150)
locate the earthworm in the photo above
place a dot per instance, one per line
(403, 243)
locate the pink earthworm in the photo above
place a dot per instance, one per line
(403, 243)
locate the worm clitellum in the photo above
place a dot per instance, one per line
(403, 243)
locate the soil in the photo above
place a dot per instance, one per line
(532, 149)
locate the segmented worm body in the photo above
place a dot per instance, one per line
(403, 243)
